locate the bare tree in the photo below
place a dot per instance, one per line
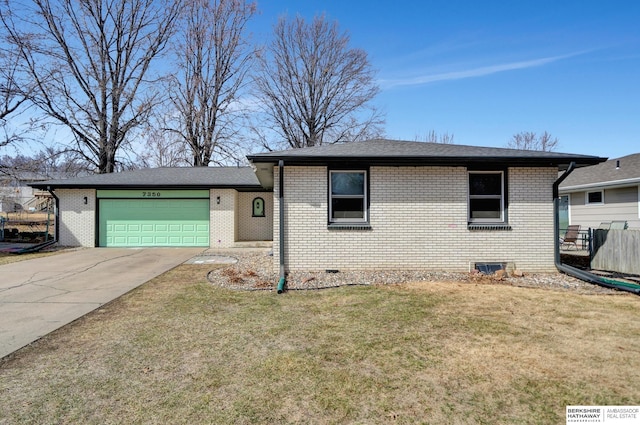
(529, 140)
(213, 60)
(90, 61)
(48, 162)
(433, 137)
(314, 88)
(12, 96)
(15, 88)
(163, 149)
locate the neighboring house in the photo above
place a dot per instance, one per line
(17, 193)
(14, 193)
(203, 206)
(603, 193)
(385, 204)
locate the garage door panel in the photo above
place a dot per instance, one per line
(154, 222)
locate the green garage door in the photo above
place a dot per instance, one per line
(153, 222)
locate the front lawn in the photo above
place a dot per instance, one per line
(181, 351)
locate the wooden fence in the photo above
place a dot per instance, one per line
(616, 250)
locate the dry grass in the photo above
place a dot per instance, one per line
(6, 258)
(178, 350)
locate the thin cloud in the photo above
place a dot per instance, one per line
(472, 73)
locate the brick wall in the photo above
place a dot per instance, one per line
(254, 228)
(418, 218)
(222, 226)
(77, 219)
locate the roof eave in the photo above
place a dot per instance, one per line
(242, 187)
(561, 162)
(614, 184)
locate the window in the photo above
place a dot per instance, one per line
(595, 197)
(348, 196)
(258, 207)
(486, 197)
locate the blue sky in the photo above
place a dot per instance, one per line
(485, 70)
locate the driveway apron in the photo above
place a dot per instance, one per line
(41, 295)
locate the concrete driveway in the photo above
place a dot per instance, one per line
(41, 295)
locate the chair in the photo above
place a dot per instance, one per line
(618, 225)
(571, 236)
(605, 225)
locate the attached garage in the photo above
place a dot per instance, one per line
(153, 218)
(209, 207)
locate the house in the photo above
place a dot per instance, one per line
(15, 192)
(379, 204)
(602, 193)
(385, 204)
(201, 206)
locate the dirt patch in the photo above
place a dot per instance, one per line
(578, 261)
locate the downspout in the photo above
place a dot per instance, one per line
(56, 231)
(281, 282)
(573, 271)
(556, 210)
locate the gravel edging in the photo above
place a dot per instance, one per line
(253, 271)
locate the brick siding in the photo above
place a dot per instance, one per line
(77, 219)
(252, 228)
(222, 224)
(418, 218)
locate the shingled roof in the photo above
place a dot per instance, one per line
(398, 152)
(614, 172)
(241, 178)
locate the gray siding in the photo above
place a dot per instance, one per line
(619, 204)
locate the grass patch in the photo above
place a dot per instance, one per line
(6, 258)
(178, 350)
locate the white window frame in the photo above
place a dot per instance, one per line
(365, 215)
(586, 197)
(501, 196)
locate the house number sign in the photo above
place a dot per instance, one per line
(153, 193)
